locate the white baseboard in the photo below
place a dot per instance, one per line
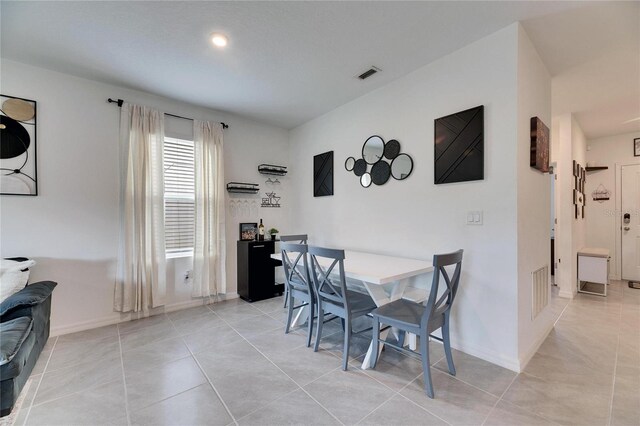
(524, 360)
(566, 294)
(509, 363)
(116, 317)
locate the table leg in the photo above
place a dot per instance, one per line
(302, 314)
(380, 297)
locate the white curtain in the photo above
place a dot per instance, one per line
(209, 271)
(141, 275)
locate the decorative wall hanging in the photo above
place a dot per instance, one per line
(323, 174)
(18, 165)
(579, 198)
(379, 162)
(636, 147)
(459, 146)
(271, 200)
(539, 145)
(601, 194)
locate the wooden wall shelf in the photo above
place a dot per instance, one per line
(596, 168)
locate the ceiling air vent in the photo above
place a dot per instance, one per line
(368, 73)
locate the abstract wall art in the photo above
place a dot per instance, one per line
(18, 146)
(323, 174)
(459, 146)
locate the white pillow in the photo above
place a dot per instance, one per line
(12, 279)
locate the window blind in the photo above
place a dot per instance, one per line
(179, 195)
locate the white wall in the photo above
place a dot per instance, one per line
(414, 217)
(534, 197)
(603, 218)
(570, 235)
(71, 228)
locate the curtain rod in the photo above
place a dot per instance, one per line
(120, 102)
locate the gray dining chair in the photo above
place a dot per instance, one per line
(298, 283)
(334, 297)
(301, 239)
(423, 319)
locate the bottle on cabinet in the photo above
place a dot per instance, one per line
(261, 231)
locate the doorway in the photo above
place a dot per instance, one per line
(630, 229)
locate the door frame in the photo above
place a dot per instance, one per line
(618, 216)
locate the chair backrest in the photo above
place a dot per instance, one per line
(329, 292)
(296, 267)
(441, 305)
(301, 238)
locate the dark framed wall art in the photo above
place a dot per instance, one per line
(636, 147)
(323, 174)
(539, 145)
(18, 165)
(459, 146)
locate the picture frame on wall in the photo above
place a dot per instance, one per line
(248, 231)
(636, 147)
(18, 132)
(575, 168)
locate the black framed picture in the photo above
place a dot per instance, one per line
(575, 168)
(636, 147)
(18, 165)
(459, 146)
(248, 231)
(323, 174)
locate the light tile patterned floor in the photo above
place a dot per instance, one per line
(231, 363)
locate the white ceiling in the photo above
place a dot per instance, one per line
(288, 62)
(593, 54)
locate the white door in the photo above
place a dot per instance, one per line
(631, 222)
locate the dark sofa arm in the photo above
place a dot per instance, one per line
(31, 295)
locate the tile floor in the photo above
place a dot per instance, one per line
(230, 363)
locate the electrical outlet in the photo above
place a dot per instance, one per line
(187, 276)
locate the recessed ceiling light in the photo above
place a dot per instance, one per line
(219, 40)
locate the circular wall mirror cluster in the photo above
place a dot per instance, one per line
(379, 162)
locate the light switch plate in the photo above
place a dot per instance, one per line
(474, 217)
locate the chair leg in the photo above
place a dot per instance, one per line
(447, 346)
(426, 367)
(289, 314)
(375, 342)
(343, 326)
(310, 321)
(319, 330)
(286, 295)
(347, 339)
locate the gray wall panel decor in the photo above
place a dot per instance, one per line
(323, 174)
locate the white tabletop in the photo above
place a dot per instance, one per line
(376, 268)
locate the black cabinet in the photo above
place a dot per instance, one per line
(256, 271)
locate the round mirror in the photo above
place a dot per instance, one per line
(380, 172)
(349, 163)
(359, 167)
(365, 180)
(392, 149)
(401, 167)
(373, 149)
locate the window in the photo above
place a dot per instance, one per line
(179, 197)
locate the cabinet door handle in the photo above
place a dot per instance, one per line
(258, 246)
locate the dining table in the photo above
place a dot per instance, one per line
(384, 277)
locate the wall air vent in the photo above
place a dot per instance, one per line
(368, 73)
